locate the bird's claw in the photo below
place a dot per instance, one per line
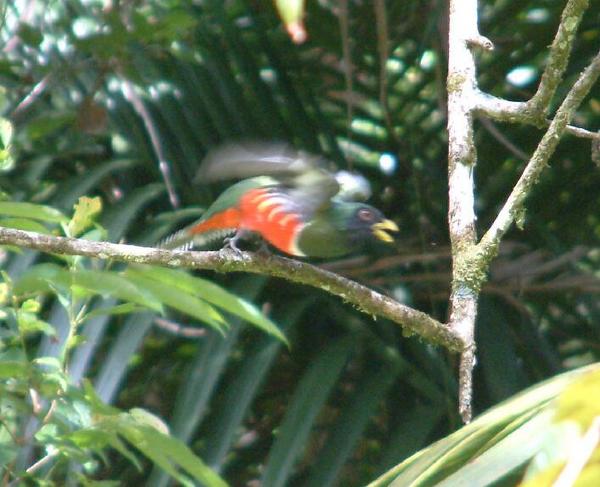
(231, 243)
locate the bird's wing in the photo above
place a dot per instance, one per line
(301, 173)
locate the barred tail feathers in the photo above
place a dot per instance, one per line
(181, 240)
(204, 232)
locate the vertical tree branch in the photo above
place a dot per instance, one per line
(471, 260)
(462, 99)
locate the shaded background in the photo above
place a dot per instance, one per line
(101, 91)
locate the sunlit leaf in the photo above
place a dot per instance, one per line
(170, 453)
(85, 211)
(144, 417)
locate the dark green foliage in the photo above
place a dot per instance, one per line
(98, 96)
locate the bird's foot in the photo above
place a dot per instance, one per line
(231, 243)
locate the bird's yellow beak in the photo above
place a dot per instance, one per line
(380, 230)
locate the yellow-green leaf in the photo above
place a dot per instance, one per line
(86, 210)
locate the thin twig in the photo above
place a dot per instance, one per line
(363, 298)
(179, 330)
(36, 402)
(519, 112)
(41, 462)
(503, 139)
(35, 467)
(50, 413)
(581, 132)
(163, 164)
(37, 91)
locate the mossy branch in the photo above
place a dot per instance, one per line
(534, 111)
(514, 205)
(471, 259)
(361, 297)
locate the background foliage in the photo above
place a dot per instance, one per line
(116, 99)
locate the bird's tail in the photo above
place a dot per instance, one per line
(192, 237)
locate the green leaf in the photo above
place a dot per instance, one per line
(290, 10)
(176, 299)
(302, 410)
(51, 362)
(240, 391)
(43, 278)
(48, 124)
(93, 438)
(144, 417)
(212, 293)
(122, 448)
(11, 369)
(83, 481)
(168, 453)
(32, 211)
(86, 210)
(48, 433)
(8, 452)
(29, 323)
(24, 224)
(119, 309)
(85, 283)
(30, 306)
(108, 283)
(492, 446)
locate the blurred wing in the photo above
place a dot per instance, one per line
(301, 173)
(250, 159)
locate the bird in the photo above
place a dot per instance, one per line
(287, 197)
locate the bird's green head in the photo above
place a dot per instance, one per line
(343, 229)
(364, 222)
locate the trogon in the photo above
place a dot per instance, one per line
(289, 198)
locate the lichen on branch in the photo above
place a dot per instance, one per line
(363, 298)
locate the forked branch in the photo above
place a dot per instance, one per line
(471, 260)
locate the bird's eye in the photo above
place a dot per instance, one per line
(365, 215)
